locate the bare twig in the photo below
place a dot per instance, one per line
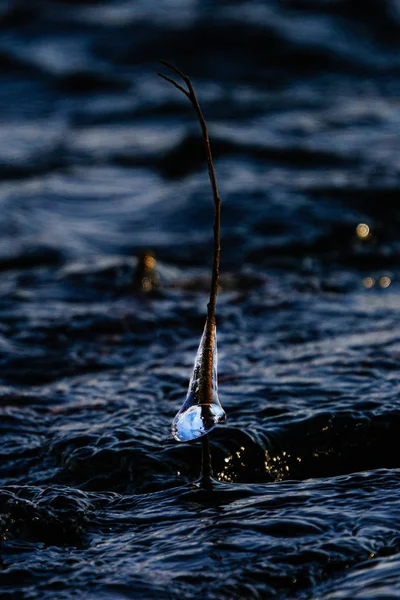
(175, 84)
(191, 94)
(206, 465)
(209, 342)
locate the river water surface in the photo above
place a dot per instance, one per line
(101, 160)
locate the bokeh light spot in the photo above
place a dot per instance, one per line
(363, 231)
(384, 282)
(368, 282)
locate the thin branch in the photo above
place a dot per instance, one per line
(174, 68)
(175, 84)
(191, 94)
(206, 466)
(207, 362)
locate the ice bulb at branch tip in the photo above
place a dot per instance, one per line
(202, 410)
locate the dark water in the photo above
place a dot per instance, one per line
(101, 159)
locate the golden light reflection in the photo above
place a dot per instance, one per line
(231, 470)
(384, 282)
(226, 474)
(149, 261)
(146, 277)
(368, 282)
(277, 466)
(363, 231)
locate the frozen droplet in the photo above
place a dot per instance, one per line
(196, 421)
(202, 410)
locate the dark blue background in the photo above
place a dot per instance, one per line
(100, 159)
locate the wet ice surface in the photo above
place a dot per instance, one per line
(99, 160)
(195, 421)
(202, 409)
